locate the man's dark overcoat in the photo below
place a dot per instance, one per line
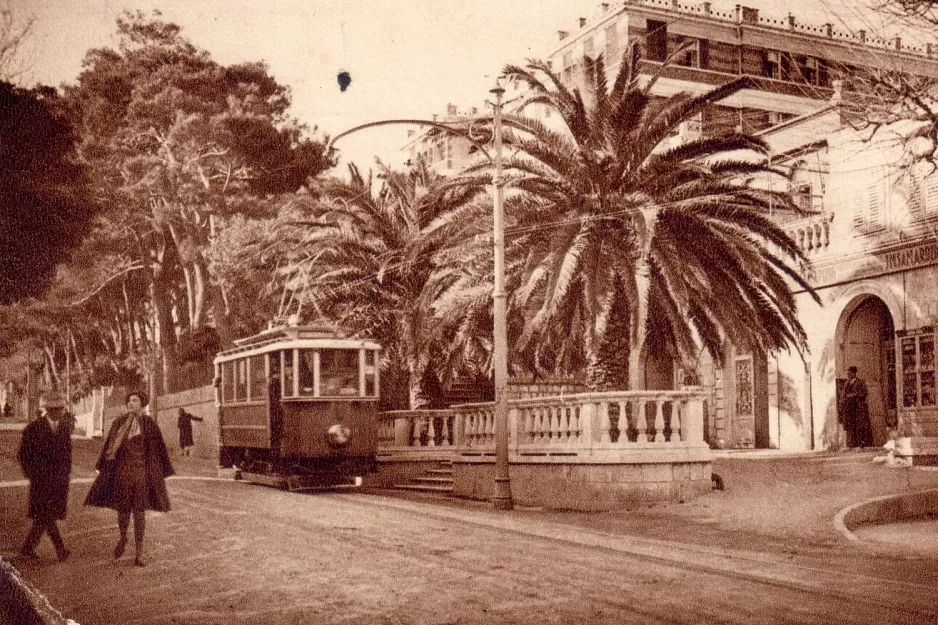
(46, 458)
(158, 466)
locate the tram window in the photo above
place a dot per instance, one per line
(338, 372)
(371, 367)
(288, 373)
(307, 372)
(258, 378)
(227, 382)
(241, 380)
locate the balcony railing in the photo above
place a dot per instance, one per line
(812, 234)
(581, 425)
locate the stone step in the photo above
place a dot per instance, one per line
(440, 472)
(432, 480)
(425, 488)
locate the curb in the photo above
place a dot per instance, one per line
(23, 604)
(886, 509)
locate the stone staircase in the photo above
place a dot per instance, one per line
(438, 480)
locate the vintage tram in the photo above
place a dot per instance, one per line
(298, 407)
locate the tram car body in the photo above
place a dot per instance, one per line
(298, 407)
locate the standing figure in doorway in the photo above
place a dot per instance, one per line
(184, 422)
(45, 455)
(854, 411)
(132, 471)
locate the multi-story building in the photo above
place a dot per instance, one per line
(793, 65)
(871, 232)
(873, 243)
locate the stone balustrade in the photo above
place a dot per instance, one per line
(403, 430)
(583, 424)
(812, 234)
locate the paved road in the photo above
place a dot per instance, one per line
(235, 553)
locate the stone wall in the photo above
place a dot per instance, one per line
(200, 402)
(586, 486)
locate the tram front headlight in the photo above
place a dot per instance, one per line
(339, 435)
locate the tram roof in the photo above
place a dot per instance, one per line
(295, 336)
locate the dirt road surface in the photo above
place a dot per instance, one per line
(232, 553)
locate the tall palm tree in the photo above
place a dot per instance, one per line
(619, 230)
(372, 261)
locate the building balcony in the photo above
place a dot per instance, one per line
(812, 233)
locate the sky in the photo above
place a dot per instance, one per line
(407, 58)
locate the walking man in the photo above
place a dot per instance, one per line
(855, 412)
(45, 455)
(184, 422)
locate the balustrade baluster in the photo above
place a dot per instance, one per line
(641, 422)
(554, 425)
(490, 428)
(659, 421)
(431, 431)
(604, 423)
(625, 421)
(542, 419)
(565, 425)
(415, 432)
(679, 432)
(529, 424)
(445, 441)
(575, 432)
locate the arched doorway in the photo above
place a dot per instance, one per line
(867, 344)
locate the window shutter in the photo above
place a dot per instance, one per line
(875, 206)
(916, 196)
(859, 220)
(931, 192)
(612, 44)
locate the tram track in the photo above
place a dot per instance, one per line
(751, 567)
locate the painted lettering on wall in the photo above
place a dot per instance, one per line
(911, 257)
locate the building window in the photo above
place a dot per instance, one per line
(690, 53)
(808, 66)
(918, 368)
(773, 64)
(588, 48)
(931, 192)
(568, 67)
(868, 208)
(801, 195)
(656, 41)
(612, 43)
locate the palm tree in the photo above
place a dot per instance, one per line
(617, 231)
(373, 260)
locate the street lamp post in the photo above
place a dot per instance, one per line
(502, 499)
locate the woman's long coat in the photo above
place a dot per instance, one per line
(158, 468)
(46, 458)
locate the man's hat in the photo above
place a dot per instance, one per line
(52, 399)
(852, 369)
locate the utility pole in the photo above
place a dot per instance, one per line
(502, 499)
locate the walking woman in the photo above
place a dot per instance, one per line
(132, 469)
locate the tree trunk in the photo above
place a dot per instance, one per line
(608, 362)
(640, 329)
